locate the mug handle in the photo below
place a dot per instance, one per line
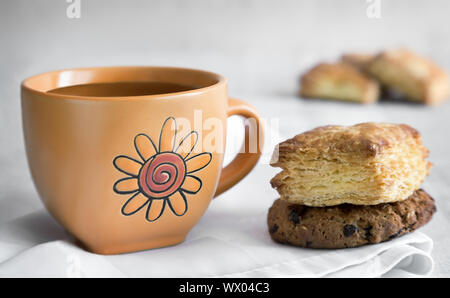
(244, 162)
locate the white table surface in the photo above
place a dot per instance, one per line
(262, 48)
(296, 115)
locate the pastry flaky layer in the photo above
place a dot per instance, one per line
(418, 78)
(340, 81)
(364, 164)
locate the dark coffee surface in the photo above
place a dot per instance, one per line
(121, 89)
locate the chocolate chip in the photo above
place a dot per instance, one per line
(274, 228)
(294, 216)
(308, 244)
(368, 232)
(349, 230)
(396, 234)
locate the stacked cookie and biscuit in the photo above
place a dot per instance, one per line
(349, 186)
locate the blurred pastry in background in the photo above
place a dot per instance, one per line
(362, 61)
(339, 81)
(358, 60)
(415, 77)
(365, 77)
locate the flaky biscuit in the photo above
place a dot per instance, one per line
(364, 164)
(416, 77)
(339, 81)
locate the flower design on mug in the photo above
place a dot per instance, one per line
(163, 175)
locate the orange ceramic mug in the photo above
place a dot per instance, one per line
(131, 171)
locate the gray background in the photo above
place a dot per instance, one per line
(260, 46)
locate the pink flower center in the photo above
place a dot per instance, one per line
(162, 175)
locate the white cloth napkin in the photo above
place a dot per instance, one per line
(221, 245)
(231, 240)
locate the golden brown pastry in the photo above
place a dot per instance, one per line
(339, 81)
(417, 78)
(364, 164)
(360, 61)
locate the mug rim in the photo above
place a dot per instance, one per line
(221, 80)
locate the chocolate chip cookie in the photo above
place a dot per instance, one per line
(348, 225)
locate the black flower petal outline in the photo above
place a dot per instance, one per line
(192, 192)
(174, 133)
(129, 201)
(121, 170)
(124, 192)
(203, 153)
(137, 149)
(160, 213)
(184, 139)
(185, 205)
